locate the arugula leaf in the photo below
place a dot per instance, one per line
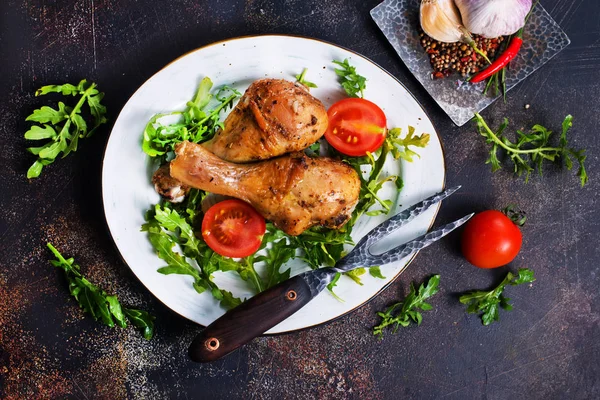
(172, 221)
(400, 147)
(49, 114)
(489, 302)
(229, 301)
(353, 83)
(355, 275)
(245, 268)
(116, 310)
(142, 320)
(96, 302)
(531, 150)
(37, 132)
(63, 138)
(333, 284)
(276, 256)
(376, 273)
(176, 264)
(408, 308)
(300, 79)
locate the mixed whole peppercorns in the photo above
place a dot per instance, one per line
(459, 57)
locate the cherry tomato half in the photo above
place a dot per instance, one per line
(356, 126)
(490, 240)
(233, 228)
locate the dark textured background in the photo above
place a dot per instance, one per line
(547, 348)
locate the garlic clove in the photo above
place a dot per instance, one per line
(493, 18)
(440, 19)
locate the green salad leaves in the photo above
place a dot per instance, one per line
(196, 123)
(63, 127)
(97, 303)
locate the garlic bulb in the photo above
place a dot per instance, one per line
(493, 18)
(440, 19)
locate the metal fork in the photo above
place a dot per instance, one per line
(265, 310)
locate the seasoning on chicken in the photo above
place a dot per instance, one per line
(294, 191)
(273, 117)
(168, 187)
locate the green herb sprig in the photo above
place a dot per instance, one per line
(300, 78)
(529, 152)
(353, 83)
(408, 308)
(488, 303)
(63, 127)
(97, 303)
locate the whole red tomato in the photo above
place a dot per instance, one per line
(491, 239)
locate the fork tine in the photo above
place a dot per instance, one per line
(402, 218)
(364, 258)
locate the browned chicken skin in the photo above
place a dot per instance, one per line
(273, 117)
(295, 192)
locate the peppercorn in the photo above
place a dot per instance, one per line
(447, 58)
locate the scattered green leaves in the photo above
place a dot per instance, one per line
(97, 303)
(353, 83)
(63, 127)
(408, 308)
(300, 78)
(489, 302)
(531, 149)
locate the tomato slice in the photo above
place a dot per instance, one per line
(356, 126)
(233, 228)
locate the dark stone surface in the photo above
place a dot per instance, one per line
(547, 348)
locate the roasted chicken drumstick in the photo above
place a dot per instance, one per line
(273, 117)
(294, 191)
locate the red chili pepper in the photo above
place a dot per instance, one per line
(502, 61)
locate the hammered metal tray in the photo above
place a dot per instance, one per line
(399, 21)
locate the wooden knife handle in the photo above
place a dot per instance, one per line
(250, 319)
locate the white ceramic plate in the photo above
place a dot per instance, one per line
(127, 192)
